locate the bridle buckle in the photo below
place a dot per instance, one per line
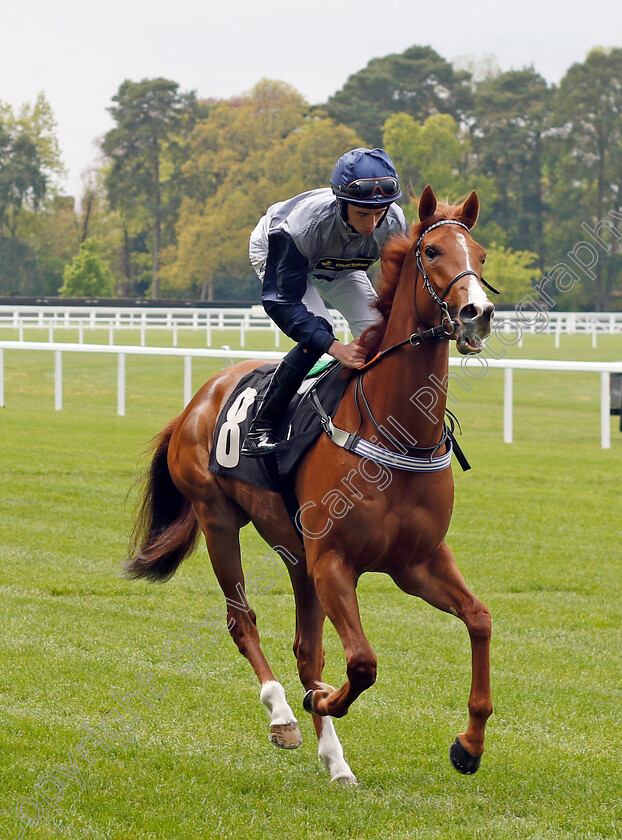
(446, 320)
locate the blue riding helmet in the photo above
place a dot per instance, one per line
(366, 178)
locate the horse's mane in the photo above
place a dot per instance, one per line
(392, 259)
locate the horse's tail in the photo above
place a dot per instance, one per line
(166, 529)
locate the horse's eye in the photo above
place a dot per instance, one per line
(431, 252)
(484, 260)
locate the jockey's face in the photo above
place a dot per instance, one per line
(365, 221)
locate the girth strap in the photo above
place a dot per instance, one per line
(380, 455)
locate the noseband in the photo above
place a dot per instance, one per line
(446, 319)
(447, 325)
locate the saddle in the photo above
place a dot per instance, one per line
(298, 427)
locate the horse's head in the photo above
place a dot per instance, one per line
(450, 264)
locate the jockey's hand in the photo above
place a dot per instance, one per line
(350, 355)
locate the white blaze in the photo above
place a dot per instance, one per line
(477, 296)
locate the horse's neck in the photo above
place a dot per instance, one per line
(408, 388)
(409, 385)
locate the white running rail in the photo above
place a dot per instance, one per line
(424, 398)
(249, 319)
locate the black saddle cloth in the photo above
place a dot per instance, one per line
(297, 428)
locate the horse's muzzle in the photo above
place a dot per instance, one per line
(473, 327)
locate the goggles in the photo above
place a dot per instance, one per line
(366, 188)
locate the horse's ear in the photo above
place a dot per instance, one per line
(427, 204)
(470, 210)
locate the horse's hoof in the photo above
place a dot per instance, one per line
(462, 759)
(285, 735)
(345, 781)
(307, 702)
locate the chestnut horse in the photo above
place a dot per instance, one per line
(430, 291)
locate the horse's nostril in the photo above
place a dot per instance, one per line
(470, 312)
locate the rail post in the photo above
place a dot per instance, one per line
(508, 405)
(605, 410)
(187, 379)
(121, 384)
(58, 380)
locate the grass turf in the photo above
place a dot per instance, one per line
(536, 531)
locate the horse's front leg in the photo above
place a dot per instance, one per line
(309, 652)
(335, 585)
(439, 582)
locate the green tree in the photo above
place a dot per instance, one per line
(37, 122)
(53, 235)
(513, 273)
(22, 179)
(585, 163)
(224, 155)
(247, 154)
(152, 119)
(436, 152)
(87, 275)
(511, 114)
(425, 153)
(303, 160)
(236, 129)
(418, 82)
(126, 242)
(19, 270)
(29, 200)
(29, 160)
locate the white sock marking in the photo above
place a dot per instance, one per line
(272, 695)
(330, 752)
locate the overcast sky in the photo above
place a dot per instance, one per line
(78, 53)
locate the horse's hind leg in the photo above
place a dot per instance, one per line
(221, 520)
(440, 583)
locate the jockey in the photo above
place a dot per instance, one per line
(317, 247)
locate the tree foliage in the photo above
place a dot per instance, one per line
(22, 181)
(183, 181)
(29, 160)
(88, 275)
(417, 82)
(19, 271)
(248, 153)
(143, 148)
(53, 237)
(510, 116)
(36, 224)
(585, 166)
(513, 273)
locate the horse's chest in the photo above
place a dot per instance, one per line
(381, 536)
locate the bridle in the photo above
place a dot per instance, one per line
(440, 301)
(447, 325)
(442, 332)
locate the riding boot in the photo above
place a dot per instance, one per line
(260, 439)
